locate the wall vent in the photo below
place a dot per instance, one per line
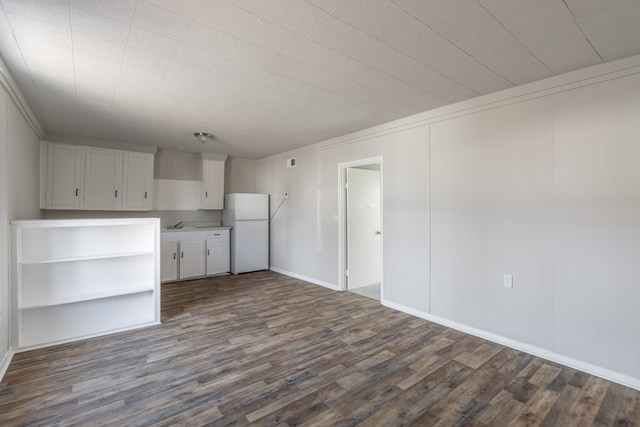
(291, 163)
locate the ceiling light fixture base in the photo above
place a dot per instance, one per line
(203, 136)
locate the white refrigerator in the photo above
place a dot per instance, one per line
(248, 216)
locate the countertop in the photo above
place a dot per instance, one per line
(188, 228)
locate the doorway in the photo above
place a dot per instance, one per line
(361, 227)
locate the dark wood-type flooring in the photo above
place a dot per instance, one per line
(266, 349)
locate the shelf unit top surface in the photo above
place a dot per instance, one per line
(96, 222)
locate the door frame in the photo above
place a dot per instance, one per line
(342, 220)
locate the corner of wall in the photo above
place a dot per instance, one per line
(4, 364)
(13, 91)
(21, 133)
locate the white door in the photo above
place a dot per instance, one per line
(249, 246)
(363, 227)
(168, 261)
(191, 259)
(103, 179)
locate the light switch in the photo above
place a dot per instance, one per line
(507, 281)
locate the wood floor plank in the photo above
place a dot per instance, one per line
(586, 408)
(537, 408)
(269, 350)
(610, 405)
(629, 413)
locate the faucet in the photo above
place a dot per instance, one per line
(178, 225)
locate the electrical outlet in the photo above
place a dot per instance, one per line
(507, 281)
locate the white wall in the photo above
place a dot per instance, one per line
(547, 190)
(304, 232)
(176, 165)
(24, 167)
(19, 191)
(240, 175)
(491, 213)
(4, 234)
(540, 182)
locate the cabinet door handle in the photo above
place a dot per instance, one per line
(206, 194)
(208, 252)
(145, 194)
(174, 255)
(216, 234)
(116, 193)
(181, 254)
(76, 192)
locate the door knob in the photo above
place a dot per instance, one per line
(377, 233)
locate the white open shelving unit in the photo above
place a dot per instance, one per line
(75, 279)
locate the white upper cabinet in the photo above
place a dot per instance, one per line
(137, 188)
(212, 173)
(92, 178)
(64, 173)
(103, 179)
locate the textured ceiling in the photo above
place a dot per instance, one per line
(266, 76)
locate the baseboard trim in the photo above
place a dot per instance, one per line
(6, 361)
(598, 371)
(305, 278)
(527, 348)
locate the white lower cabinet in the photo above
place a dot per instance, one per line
(191, 259)
(73, 279)
(168, 261)
(217, 253)
(194, 253)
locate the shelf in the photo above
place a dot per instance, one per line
(84, 258)
(74, 279)
(69, 322)
(84, 242)
(86, 297)
(43, 283)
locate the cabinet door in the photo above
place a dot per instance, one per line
(168, 261)
(191, 259)
(103, 179)
(137, 186)
(148, 182)
(217, 255)
(65, 169)
(212, 184)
